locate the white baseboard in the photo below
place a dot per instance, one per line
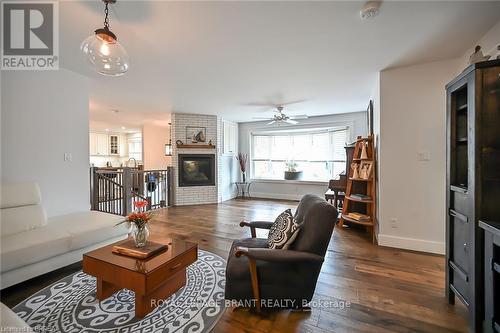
(267, 195)
(228, 197)
(411, 244)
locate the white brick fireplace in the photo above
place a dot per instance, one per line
(192, 195)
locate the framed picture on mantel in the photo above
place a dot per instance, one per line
(196, 134)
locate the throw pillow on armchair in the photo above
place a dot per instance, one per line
(283, 231)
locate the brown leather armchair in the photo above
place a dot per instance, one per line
(255, 272)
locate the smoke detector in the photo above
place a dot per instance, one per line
(370, 9)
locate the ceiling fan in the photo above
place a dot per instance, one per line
(279, 117)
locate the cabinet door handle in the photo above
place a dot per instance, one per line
(496, 267)
(457, 215)
(175, 266)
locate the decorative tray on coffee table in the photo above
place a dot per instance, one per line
(128, 248)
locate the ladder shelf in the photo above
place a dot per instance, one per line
(359, 202)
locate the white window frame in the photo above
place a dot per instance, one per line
(309, 129)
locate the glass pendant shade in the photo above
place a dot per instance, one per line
(105, 54)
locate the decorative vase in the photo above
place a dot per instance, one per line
(140, 235)
(363, 172)
(355, 173)
(244, 177)
(364, 154)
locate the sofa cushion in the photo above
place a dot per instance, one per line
(19, 219)
(20, 194)
(35, 245)
(90, 227)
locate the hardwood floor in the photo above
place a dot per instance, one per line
(389, 290)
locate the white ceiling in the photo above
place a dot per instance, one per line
(217, 57)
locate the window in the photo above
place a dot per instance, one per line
(135, 146)
(320, 155)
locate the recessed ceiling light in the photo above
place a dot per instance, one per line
(107, 129)
(370, 9)
(123, 127)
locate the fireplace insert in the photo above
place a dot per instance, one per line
(196, 170)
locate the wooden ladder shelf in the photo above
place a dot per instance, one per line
(359, 202)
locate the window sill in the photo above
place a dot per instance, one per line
(284, 181)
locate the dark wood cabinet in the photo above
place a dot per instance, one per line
(491, 276)
(473, 181)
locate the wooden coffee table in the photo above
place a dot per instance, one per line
(153, 279)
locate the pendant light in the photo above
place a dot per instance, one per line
(168, 146)
(103, 51)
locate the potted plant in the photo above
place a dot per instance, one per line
(291, 172)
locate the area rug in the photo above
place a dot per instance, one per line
(69, 305)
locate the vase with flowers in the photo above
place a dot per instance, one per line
(138, 222)
(242, 160)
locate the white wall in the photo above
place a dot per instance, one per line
(413, 120)
(289, 189)
(154, 138)
(411, 112)
(44, 115)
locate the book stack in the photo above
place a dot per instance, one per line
(358, 217)
(361, 196)
(128, 248)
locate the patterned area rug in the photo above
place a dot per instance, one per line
(69, 305)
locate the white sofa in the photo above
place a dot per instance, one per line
(11, 322)
(31, 244)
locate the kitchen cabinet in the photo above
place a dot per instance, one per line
(102, 144)
(230, 138)
(122, 142)
(93, 144)
(114, 142)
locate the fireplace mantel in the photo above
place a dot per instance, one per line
(195, 146)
